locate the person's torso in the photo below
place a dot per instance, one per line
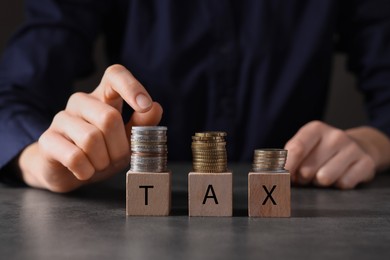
(256, 69)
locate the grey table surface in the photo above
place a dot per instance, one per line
(90, 223)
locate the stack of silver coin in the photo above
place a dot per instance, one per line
(209, 152)
(269, 160)
(148, 149)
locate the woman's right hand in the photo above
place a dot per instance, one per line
(88, 141)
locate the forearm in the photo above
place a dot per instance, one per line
(375, 143)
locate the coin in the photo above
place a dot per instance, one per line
(209, 152)
(148, 149)
(149, 128)
(269, 159)
(211, 133)
(205, 139)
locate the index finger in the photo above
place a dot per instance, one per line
(117, 84)
(302, 143)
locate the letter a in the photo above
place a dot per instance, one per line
(207, 196)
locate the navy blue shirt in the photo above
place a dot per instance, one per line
(258, 70)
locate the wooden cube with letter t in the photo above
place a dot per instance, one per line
(148, 194)
(210, 194)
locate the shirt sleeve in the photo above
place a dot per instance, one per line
(39, 65)
(365, 36)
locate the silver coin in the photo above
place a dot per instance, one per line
(149, 132)
(152, 139)
(149, 128)
(148, 149)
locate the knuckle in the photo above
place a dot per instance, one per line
(44, 143)
(102, 162)
(114, 69)
(324, 179)
(296, 147)
(110, 119)
(368, 163)
(353, 149)
(90, 139)
(102, 165)
(75, 97)
(337, 137)
(369, 167)
(73, 159)
(316, 125)
(306, 173)
(59, 116)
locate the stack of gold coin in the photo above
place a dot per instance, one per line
(209, 152)
(269, 160)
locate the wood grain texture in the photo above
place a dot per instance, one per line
(210, 194)
(148, 194)
(269, 194)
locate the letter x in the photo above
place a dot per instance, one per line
(269, 193)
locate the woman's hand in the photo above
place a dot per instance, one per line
(327, 156)
(88, 141)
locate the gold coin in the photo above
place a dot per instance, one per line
(205, 167)
(208, 138)
(208, 150)
(274, 160)
(271, 152)
(209, 165)
(210, 157)
(210, 170)
(211, 133)
(219, 144)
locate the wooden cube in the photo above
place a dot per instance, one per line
(148, 194)
(210, 194)
(269, 194)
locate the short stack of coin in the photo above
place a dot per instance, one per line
(269, 160)
(149, 149)
(209, 152)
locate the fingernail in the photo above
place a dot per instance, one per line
(143, 101)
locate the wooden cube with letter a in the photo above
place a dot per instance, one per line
(210, 194)
(269, 194)
(148, 194)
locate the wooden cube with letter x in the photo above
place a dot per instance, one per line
(210, 185)
(269, 185)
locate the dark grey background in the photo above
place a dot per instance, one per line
(345, 107)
